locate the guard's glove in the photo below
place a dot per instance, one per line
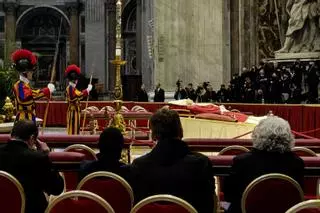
(51, 87)
(89, 88)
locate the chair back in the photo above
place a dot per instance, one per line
(233, 150)
(310, 206)
(111, 187)
(80, 202)
(310, 184)
(230, 150)
(12, 197)
(303, 152)
(83, 149)
(274, 193)
(163, 203)
(71, 178)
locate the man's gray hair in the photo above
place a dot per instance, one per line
(273, 134)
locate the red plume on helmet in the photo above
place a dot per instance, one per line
(72, 72)
(24, 60)
(72, 68)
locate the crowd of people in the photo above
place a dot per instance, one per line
(265, 83)
(169, 168)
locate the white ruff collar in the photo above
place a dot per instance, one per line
(24, 79)
(72, 84)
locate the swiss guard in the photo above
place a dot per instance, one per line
(25, 63)
(74, 96)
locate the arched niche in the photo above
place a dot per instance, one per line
(38, 30)
(129, 31)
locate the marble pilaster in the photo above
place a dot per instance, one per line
(74, 33)
(244, 34)
(234, 34)
(145, 40)
(10, 29)
(189, 45)
(95, 39)
(110, 43)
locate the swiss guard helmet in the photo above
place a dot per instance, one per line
(72, 72)
(24, 60)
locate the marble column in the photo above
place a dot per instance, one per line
(10, 29)
(74, 33)
(111, 42)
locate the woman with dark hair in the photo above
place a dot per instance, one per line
(110, 144)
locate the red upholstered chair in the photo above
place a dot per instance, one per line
(230, 150)
(71, 178)
(80, 148)
(310, 184)
(12, 197)
(111, 187)
(303, 152)
(274, 193)
(79, 202)
(310, 206)
(163, 203)
(233, 150)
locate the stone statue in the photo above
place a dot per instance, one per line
(303, 34)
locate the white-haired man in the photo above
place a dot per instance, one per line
(271, 153)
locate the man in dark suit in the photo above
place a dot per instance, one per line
(142, 94)
(180, 93)
(31, 167)
(158, 94)
(171, 168)
(272, 143)
(110, 145)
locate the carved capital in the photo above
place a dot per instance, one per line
(74, 8)
(111, 5)
(10, 8)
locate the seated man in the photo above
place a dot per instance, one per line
(110, 144)
(31, 167)
(272, 143)
(171, 168)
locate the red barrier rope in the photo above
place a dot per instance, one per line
(303, 135)
(311, 131)
(240, 136)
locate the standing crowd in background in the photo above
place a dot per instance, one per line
(293, 83)
(266, 83)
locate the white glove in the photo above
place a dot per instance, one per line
(89, 88)
(51, 87)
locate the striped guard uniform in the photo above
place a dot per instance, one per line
(73, 114)
(25, 98)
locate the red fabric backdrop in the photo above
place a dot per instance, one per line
(301, 117)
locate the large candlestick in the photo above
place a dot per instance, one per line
(117, 120)
(118, 62)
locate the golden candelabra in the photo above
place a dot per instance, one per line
(118, 120)
(118, 62)
(8, 109)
